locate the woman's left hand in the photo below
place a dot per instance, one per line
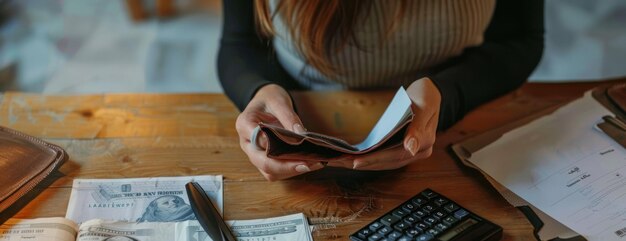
(418, 140)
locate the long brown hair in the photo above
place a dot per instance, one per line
(319, 27)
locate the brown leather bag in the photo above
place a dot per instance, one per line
(26, 163)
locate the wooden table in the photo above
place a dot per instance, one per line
(148, 135)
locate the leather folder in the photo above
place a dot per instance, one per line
(27, 164)
(612, 96)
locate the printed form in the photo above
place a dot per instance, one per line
(567, 168)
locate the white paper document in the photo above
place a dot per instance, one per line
(566, 168)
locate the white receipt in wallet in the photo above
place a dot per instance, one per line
(398, 111)
(566, 168)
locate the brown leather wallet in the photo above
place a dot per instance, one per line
(26, 162)
(310, 146)
(286, 145)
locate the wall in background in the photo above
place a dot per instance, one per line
(92, 46)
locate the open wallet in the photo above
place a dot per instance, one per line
(26, 163)
(388, 132)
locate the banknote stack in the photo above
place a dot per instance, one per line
(146, 209)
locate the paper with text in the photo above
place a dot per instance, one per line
(41, 229)
(565, 167)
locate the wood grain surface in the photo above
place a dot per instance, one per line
(149, 135)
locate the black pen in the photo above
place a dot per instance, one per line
(208, 217)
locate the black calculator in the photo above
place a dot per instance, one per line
(429, 216)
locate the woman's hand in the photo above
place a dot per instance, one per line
(418, 140)
(271, 104)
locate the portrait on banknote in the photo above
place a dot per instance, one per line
(168, 208)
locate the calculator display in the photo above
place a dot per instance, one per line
(458, 229)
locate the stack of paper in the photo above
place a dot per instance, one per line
(564, 168)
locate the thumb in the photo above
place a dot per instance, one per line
(411, 141)
(288, 117)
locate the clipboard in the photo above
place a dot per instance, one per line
(612, 96)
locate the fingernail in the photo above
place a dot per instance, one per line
(298, 128)
(359, 164)
(302, 169)
(411, 146)
(263, 142)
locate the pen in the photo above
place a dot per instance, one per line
(208, 217)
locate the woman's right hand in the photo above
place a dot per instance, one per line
(272, 105)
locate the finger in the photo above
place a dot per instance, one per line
(245, 124)
(275, 170)
(286, 116)
(262, 140)
(420, 134)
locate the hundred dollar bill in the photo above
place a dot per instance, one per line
(158, 199)
(293, 227)
(42, 229)
(286, 228)
(101, 230)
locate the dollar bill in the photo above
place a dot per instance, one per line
(57, 229)
(286, 228)
(293, 227)
(159, 199)
(102, 230)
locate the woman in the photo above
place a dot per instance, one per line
(451, 55)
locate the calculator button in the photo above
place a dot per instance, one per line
(450, 220)
(428, 208)
(422, 226)
(409, 207)
(430, 221)
(425, 237)
(394, 235)
(419, 214)
(400, 213)
(432, 232)
(404, 238)
(441, 227)
(429, 194)
(364, 233)
(375, 226)
(440, 201)
(385, 230)
(461, 213)
(418, 201)
(439, 214)
(410, 220)
(451, 207)
(412, 232)
(401, 226)
(375, 237)
(389, 220)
